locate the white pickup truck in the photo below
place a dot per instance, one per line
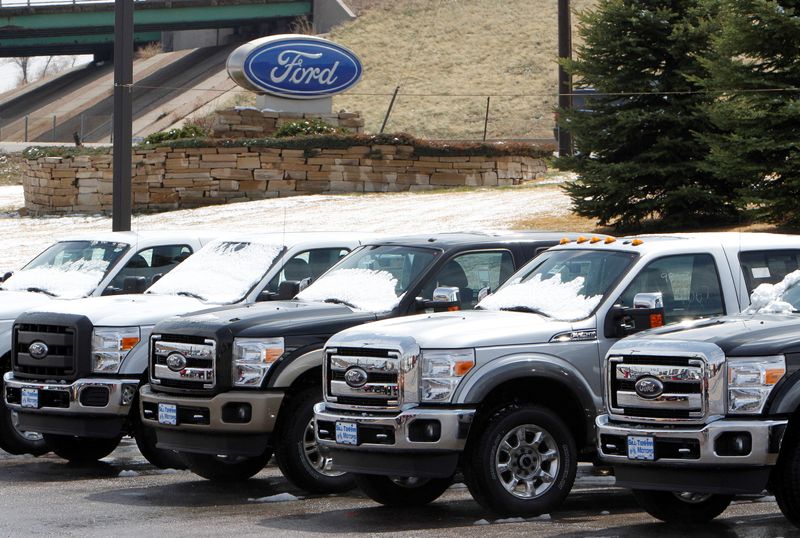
(79, 266)
(508, 393)
(77, 365)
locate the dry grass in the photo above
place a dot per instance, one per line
(10, 172)
(301, 25)
(148, 51)
(457, 47)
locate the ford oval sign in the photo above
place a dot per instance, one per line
(294, 66)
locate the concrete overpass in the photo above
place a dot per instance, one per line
(36, 28)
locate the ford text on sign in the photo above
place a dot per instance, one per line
(294, 66)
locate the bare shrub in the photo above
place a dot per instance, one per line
(302, 25)
(149, 50)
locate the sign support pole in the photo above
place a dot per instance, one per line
(564, 80)
(123, 115)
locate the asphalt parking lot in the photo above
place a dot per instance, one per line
(125, 496)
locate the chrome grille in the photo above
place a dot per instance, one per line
(382, 385)
(681, 380)
(198, 357)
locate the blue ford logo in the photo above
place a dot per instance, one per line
(355, 377)
(176, 362)
(294, 66)
(649, 387)
(38, 350)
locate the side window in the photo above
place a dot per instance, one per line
(689, 284)
(470, 273)
(149, 263)
(308, 264)
(767, 266)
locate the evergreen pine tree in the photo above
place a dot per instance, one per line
(755, 59)
(637, 157)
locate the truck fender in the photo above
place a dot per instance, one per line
(787, 396)
(296, 367)
(135, 362)
(5, 343)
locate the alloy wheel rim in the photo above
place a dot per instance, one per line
(692, 497)
(315, 455)
(409, 482)
(32, 437)
(527, 461)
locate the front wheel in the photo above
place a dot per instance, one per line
(301, 459)
(81, 449)
(223, 468)
(682, 507)
(14, 440)
(786, 479)
(146, 442)
(402, 491)
(522, 463)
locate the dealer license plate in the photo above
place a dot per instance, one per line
(168, 414)
(346, 433)
(30, 398)
(641, 448)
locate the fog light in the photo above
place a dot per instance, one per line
(733, 444)
(237, 413)
(128, 394)
(424, 431)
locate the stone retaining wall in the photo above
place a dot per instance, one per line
(252, 123)
(172, 178)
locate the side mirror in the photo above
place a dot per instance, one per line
(266, 295)
(647, 313)
(484, 293)
(287, 290)
(445, 299)
(134, 284)
(7, 276)
(156, 278)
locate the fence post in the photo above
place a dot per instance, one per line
(486, 119)
(82, 125)
(54, 128)
(389, 110)
(26, 127)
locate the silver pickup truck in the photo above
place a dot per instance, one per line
(508, 393)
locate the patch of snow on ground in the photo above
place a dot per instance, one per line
(69, 281)
(11, 197)
(559, 300)
(481, 522)
(510, 520)
(366, 289)
(766, 298)
(127, 473)
(278, 498)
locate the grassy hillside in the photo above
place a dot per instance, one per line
(502, 48)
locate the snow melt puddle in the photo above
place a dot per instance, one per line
(557, 299)
(366, 289)
(70, 280)
(770, 298)
(543, 517)
(278, 498)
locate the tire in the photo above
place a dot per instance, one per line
(682, 507)
(13, 440)
(81, 449)
(146, 441)
(402, 491)
(521, 445)
(786, 479)
(226, 468)
(301, 460)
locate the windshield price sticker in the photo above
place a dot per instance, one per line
(641, 448)
(346, 433)
(30, 398)
(168, 414)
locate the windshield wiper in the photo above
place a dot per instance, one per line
(340, 301)
(526, 309)
(40, 290)
(192, 295)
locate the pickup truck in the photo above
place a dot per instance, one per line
(701, 412)
(78, 266)
(76, 366)
(263, 363)
(508, 393)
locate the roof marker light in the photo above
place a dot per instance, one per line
(636, 242)
(610, 240)
(594, 240)
(581, 239)
(564, 241)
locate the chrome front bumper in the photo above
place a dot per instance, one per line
(765, 435)
(453, 423)
(121, 393)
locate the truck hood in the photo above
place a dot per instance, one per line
(737, 336)
(14, 303)
(274, 318)
(125, 310)
(475, 328)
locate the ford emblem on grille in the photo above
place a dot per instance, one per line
(38, 350)
(355, 377)
(649, 387)
(176, 362)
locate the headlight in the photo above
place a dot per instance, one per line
(750, 381)
(442, 370)
(252, 358)
(109, 347)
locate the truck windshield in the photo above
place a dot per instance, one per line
(373, 278)
(561, 284)
(222, 272)
(780, 298)
(67, 269)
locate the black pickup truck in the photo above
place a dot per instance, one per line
(230, 387)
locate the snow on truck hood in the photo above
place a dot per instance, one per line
(68, 281)
(474, 328)
(125, 310)
(14, 303)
